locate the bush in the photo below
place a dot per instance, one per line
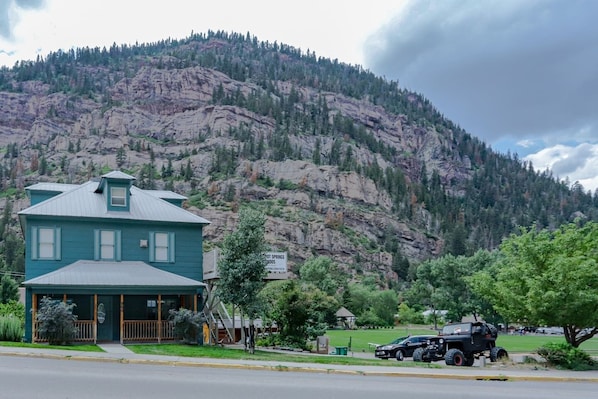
(11, 329)
(56, 321)
(13, 308)
(565, 356)
(187, 324)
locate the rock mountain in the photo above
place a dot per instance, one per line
(344, 163)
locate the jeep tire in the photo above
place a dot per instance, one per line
(418, 355)
(498, 353)
(454, 357)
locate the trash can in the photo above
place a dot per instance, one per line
(341, 350)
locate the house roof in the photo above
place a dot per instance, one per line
(55, 187)
(84, 202)
(344, 312)
(89, 273)
(165, 194)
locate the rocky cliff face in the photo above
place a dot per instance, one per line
(159, 116)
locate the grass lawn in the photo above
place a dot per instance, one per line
(360, 339)
(214, 352)
(74, 347)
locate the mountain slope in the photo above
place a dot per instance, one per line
(344, 163)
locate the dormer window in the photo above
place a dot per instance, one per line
(118, 196)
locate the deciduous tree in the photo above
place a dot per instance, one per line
(242, 265)
(547, 278)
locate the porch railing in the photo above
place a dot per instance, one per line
(133, 330)
(84, 332)
(147, 330)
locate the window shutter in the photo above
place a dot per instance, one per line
(96, 244)
(171, 247)
(117, 246)
(34, 233)
(57, 243)
(152, 251)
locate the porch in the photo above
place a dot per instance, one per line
(97, 322)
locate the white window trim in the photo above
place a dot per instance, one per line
(122, 199)
(36, 242)
(99, 246)
(170, 247)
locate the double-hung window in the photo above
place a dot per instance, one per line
(107, 245)
(161, 247)
(118, 196)
(45, 243)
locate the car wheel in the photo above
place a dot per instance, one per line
(454, 357)
(418, 355)
(498, 353)
(400, 356)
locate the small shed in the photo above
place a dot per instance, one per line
(345, 319)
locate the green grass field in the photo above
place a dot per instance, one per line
(361, 340)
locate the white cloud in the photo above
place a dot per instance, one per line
(575, 163)
(332, 28)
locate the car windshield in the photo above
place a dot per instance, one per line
(398, 340)
(452, 329)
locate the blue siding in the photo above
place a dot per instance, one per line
(38, 196)
(77, 238)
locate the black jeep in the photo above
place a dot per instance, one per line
(460, 344)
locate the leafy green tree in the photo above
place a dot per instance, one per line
(547, 278)
(56, 321)
(292, 315)
(410, 315)
(242, 265)
(323, 273)
(385, 305)
(441, 284)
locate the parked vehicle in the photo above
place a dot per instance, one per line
(401, 347)
(460, 343)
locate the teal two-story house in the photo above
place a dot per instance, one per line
(124, 256)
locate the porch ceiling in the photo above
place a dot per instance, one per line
(133, 274)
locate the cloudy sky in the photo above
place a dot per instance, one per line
(522, 75)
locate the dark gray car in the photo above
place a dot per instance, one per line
(402, 347)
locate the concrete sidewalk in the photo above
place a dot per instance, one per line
(494, 371)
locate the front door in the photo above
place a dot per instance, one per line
(105, 314)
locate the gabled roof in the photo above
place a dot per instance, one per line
(133, 274)
(84, 202)
(117, 174)
(344, 312)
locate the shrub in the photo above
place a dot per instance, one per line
(11, 329)
(187, 324)
(56, 321)
(564, 355)
(13, 308)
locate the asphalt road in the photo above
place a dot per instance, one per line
(31, 377)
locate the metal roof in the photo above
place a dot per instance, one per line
(165, 194)
(84, 202)
(89, 273)
(56, 187)
(117, 174)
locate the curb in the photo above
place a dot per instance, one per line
(303, 369)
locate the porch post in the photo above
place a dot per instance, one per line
(195, 303)
(159, 317)
(95, 318)
(33, 318)
(122, 318)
